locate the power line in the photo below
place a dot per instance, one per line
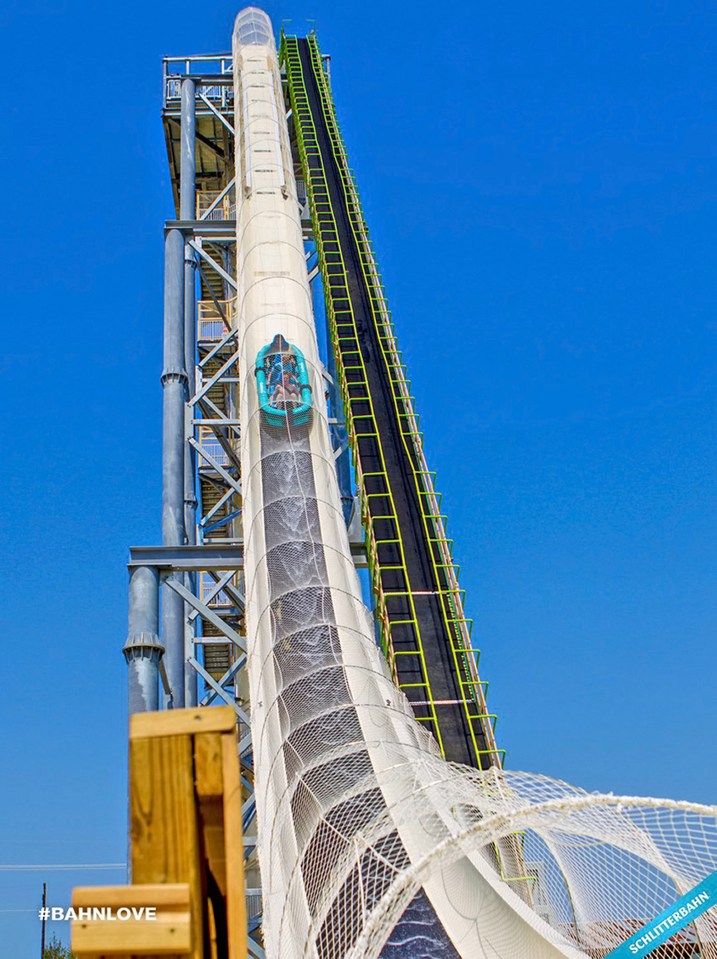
(60, 866)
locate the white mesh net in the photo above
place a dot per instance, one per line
(598, 867)
(370, 844)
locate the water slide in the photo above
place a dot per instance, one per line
(336, 746)
(371, 844)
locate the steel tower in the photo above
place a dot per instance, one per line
(187, 642)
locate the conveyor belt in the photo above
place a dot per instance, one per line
(410, 575)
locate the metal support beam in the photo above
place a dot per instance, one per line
(187, 204)
(212, 556)
(255, 950)
(219, 691)
(143, 649)
(208, 458)
(217, 114)
(220, 374)
(222, 584)
(230, 335)
(187, 211)
(214, 231)
(207, 613)
(214, 265)
(218, 199)
(206, 520)
(174, 384)
(182, 558)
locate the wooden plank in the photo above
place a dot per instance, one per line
(213, 947)
(169, 934)
(234, 850)
(182, 722)
(212, 816)
(165, 936)
(209, 780)
(163, 896)
(164, 823)
(208, 765)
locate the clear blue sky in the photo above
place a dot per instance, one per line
(539, 181)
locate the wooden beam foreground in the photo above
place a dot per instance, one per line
(187, 854)
(168, 934)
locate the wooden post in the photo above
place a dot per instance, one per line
(186, 844)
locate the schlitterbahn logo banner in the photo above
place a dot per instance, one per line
(674, 918)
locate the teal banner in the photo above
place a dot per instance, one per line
(669, 922)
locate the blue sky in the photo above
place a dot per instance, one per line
(539, 182)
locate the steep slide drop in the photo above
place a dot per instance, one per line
(351, 791)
